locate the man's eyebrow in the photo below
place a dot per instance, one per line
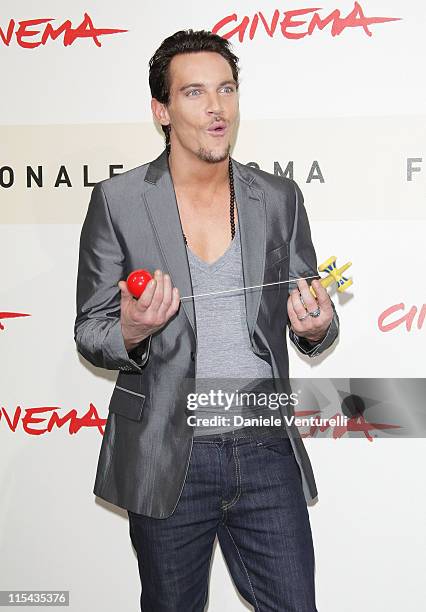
(227, 82)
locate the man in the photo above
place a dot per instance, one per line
(200, 219)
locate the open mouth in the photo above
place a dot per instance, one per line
(217, 131)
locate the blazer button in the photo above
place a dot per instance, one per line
(192, 356)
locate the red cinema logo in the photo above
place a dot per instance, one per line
(354, 424)
(39, 420)
(11, 315)
(32, 33)
(387, 322)
(297, 23)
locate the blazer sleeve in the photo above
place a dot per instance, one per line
(97, 329)
(303, 262)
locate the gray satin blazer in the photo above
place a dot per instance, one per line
(133, 221)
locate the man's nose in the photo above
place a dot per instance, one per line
(214, 105)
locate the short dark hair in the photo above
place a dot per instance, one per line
(184, 41)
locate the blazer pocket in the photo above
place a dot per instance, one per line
(127, 403)
(276, 255)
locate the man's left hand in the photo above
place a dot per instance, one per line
(313, 329)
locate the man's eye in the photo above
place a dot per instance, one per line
(192, 91)
(229, 88)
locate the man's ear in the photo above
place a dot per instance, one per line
(159, 111)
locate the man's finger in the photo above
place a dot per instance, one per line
(292, 315)
(323, 298)
(167, 292)
(125, 293)
(145, 299)
(307, 297)
(297, 304)
(159, 291)
(174, 306)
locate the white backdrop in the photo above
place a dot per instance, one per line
(353, 104)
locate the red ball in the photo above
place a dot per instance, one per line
(137, 281)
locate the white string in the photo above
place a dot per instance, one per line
(291, 280)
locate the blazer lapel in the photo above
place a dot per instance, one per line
(252, 219)
(160, 199)
(162, 208)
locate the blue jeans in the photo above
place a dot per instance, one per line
(246, 488)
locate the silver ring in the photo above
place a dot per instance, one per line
(301, 299)
(304, 316)
(315, 313)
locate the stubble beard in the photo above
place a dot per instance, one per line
(211, 157)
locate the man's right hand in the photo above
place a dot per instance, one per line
(150, 312)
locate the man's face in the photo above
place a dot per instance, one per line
(203, 96)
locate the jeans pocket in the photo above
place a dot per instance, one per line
(276, 444)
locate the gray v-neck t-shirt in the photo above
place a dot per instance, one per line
(223, 343)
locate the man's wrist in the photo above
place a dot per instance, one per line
(130, 345)
(311, 340)
(131, 341)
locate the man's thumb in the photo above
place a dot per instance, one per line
(125, 293)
